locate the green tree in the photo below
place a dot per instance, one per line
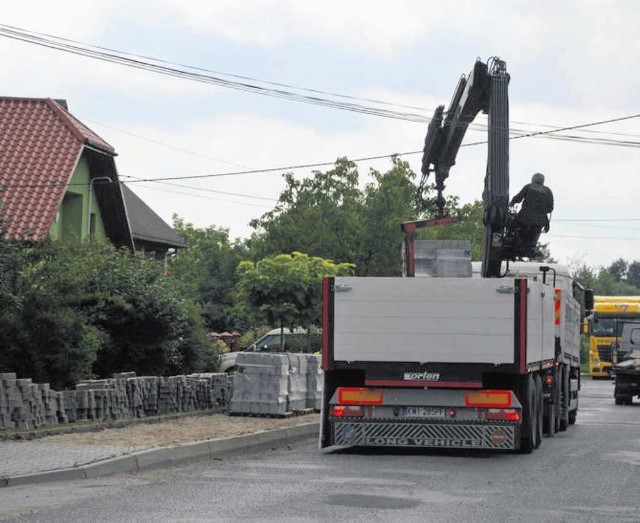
(607, 284)
(319, 215)
(388, 201)
(585, 275)
(633, 274)
(604, 281)
(285, 290)
(469, 227)
(618, 269)
(207, 271)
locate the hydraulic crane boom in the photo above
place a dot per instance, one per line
(485, 89)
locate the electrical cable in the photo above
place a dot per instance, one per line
(119, 57)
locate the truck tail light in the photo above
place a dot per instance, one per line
(360, 396)
(548, 379)
(488, 398)
(503, 414)
(347, 411)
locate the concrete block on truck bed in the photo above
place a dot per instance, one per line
(443, 258)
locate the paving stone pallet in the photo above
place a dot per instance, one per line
(276, 384)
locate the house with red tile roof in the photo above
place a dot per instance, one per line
(58, 180)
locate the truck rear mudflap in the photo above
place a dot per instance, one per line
(460, 419)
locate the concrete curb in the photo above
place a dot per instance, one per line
(168, 456)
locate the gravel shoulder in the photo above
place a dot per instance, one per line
(179, 431)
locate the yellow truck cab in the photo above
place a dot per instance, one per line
(604, 327)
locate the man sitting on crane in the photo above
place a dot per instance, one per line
(537, 203)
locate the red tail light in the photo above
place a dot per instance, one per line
(503, 414)
(488, 398)
(342, 411)
(360, 396)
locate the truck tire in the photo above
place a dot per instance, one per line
(550, 414)
(549, 420)
(565, 399)
(572, 416)
(529, 428)
(623, 399)
(557, 398)
(539, 409)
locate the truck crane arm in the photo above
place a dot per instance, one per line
(485, 89)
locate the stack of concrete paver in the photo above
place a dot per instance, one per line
(262, 386)
(443, 258)
(276, 384)
(298, 381)
(26, 405)
(315, 381)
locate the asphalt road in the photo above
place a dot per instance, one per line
(589, 473)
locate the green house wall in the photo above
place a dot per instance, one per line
(72, 218)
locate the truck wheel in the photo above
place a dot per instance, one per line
(550, 417)
(557, 397)
(539, 409)
(549, 420)
(565, 402)
(528, 429)
(572, 416)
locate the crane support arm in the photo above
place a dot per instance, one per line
(484, 89)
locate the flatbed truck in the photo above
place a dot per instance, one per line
(449, 362)
(482, 363)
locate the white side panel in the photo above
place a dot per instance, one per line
(570, 326)
(453, 320)
(540, 322)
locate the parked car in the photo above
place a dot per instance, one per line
(296, 341)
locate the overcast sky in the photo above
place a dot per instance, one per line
(570, 62)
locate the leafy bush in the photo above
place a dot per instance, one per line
(80, 310)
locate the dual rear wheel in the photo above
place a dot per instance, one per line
(532, 422)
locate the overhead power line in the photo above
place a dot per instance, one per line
(356, 160)
(163, 67)
(226, 200)
(138, 179)
(203, 75)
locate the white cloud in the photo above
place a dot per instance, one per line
(70, 18)
(364, 25)
(582, 49)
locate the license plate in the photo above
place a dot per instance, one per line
(423, 412)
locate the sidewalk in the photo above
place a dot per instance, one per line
(78, 456)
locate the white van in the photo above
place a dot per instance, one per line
(295, 341)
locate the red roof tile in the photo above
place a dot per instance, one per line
(40, 144)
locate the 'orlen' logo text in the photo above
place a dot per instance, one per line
(421, 376)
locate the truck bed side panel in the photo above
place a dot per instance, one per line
(570, 328)
(540, 323)
(424, 320)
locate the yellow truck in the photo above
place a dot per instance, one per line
(604, 327)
